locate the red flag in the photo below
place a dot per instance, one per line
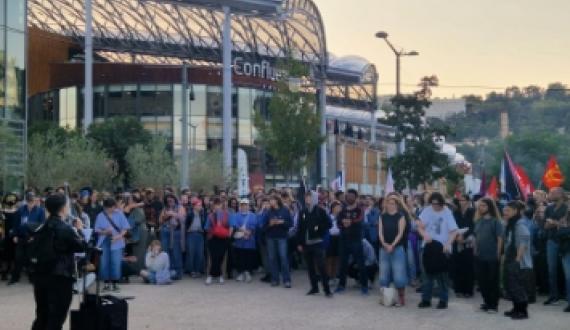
(526, 184)
(493, 190)
(553, 176)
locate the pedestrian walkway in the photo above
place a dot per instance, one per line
(189, 304)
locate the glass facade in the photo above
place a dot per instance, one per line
(13, 92)
(159, 108)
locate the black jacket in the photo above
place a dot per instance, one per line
(313, 225)
(66, 243)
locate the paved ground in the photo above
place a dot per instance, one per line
(189, 304)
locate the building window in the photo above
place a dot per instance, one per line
(156, 100)
(122, 100)
(16, 14)
(15, 74)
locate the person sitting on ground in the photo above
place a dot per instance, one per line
(157, 265)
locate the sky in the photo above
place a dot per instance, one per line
(474, 47)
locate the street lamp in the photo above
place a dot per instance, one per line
(399, 54)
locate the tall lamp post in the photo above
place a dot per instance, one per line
(399, 54)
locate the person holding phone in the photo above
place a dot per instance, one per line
(172, 226)
(111, 225)
(277, 222)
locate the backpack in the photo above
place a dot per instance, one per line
(40, 249)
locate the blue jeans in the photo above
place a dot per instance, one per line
(194, 252)
(552, 262)
(393, 268)
(566, 266)
(174, 253)
(110, 263)
(411, 259)
(278, 260)
(427, 287)
(355, 249)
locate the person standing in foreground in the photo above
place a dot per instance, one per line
(350, 222)
(555, 214)
(244, 223)
(30, 215)
(438, 230)
(517, 259)
(313, 227)
(277, 222)
(393, 264)
(487, 249)
(53, 287)
(111, 226)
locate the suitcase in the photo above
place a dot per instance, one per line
(98, 312)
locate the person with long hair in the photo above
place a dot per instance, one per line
(391, 228)
(462, 257)
(487, 249)
(219, 232)
(111, 225)
(276, 223)
(172, 226)
(517, 259)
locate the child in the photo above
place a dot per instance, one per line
(157, 264)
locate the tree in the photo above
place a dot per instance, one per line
(290, 131)
(76, 160)
(7, 139)
(421, 161)
(116, 136)
(151, 165)
(206, 171)
(556, 91)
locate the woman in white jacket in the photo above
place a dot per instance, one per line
(157, 265)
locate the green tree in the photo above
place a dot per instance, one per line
(76, 160)
(206, 171)
(290, 130)
(151, 165)
(116, 136)
(421, 162)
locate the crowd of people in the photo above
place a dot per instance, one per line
(507, 249)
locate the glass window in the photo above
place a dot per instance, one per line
(122, 100)
(156, 100)
(99, 101)
(215, 102)
(15, 74)
(16, 14)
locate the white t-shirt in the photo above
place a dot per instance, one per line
(438, 225)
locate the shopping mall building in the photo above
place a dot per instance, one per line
(139, 51)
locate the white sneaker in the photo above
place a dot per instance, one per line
(221, 280)
(240, 278)
(247, 277)
(209, 280)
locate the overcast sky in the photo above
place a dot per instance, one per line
(483, 43)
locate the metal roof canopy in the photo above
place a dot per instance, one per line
(238, 6)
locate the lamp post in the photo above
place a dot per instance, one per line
(399, 54)
(88, 86)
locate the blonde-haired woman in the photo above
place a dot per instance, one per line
(488, 243)
(391, 228)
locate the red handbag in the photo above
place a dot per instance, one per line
(220, 228)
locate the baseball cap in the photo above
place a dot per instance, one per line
(244, 201)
